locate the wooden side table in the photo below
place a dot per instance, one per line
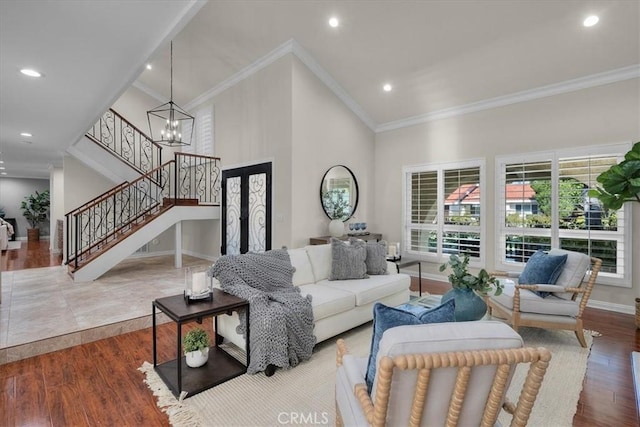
(327, 239)
(221, 366)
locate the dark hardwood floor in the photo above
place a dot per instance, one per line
(30, 255)
(99, 383)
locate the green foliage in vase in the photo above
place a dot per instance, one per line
(196, 339)
(460, 278)
(621, 182)
(35, 208)
(336, 204)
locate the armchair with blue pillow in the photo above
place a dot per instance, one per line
(424, 369)
(550, 293)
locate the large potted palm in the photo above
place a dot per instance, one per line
(35, 209)
(618, 185)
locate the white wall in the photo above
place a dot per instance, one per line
(56, 211)
(603, 115)
(81, 184)
(325, 133)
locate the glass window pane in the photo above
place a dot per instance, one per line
(576, 210)
(424, 197)
(528, 195)
(424, 241)
(462, 196)
(520, 248)
(455, 242)
(606, 250)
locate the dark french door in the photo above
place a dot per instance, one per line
(246, 209)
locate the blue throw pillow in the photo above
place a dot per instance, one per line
(385, 317)
(542, 269)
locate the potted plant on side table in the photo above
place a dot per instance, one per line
(196, 347)
(35, 209)
(469, 305)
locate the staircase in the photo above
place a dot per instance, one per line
(109, 228)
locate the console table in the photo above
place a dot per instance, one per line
(327, 239)
(221, 366)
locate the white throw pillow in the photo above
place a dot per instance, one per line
(300, 261)
(320, 257)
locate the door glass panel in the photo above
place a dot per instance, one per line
(257, 212)
(233, 216)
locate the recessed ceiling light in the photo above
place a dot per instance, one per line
(333, 21)
(1, 162)
(387, 87)
(3, 173)
(590, 21)
(26, 134)
(149, 66)
(2, 168)
(30, 72)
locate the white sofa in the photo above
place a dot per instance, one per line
(338, 305)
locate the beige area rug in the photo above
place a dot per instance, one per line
(305, 395)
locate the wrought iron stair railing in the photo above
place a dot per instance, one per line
(118, 136)
(99, 224)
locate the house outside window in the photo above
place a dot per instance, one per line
(443, 206)
(543, 203)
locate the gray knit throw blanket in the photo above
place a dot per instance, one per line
(281, 319)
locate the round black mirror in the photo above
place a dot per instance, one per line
(339, 193)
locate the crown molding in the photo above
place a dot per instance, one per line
(324, 76)
(271, 57)
(586, 82)
(290, 46)
(152, 93)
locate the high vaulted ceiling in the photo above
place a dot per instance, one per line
(439, 56)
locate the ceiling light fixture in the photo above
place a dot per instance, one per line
(175, 123)
(26, 134)
(333, 21)
(590, 21)
(30, 72)
(2, 168)
(387, 87)
(3, 173)
(149, 66)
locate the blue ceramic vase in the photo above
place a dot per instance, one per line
(469, 306)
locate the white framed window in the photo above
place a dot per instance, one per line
(443, 210)
(202, 141)
(542, 202)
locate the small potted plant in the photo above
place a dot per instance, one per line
(469, 305)
(196, 347)
(35, 209)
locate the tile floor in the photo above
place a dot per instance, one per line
(43, 310)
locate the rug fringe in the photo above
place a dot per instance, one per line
(179, 414)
